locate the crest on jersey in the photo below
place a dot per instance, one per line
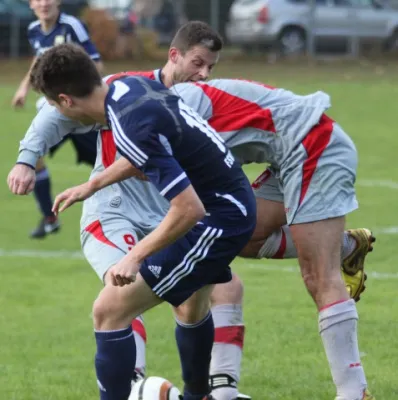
(59, 39)
(115, 202)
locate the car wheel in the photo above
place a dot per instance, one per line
(292, 41)
(392, 42)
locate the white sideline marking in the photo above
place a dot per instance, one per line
(27, 253)
(77, 255)
(291, 269)
(392, 230)
(378, 183)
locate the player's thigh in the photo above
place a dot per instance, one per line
(115, 307)
(270, 207)
(106, 241)
(196, 307)
(319, 184)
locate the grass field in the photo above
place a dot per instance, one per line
(47, 289)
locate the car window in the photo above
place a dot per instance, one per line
(362, 3)
(298, 1)
(246, 1)
(343, 3)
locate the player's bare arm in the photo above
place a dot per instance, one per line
(23, 89)
(100, 67)
(117, 172)
(120, 170)
(186, 209)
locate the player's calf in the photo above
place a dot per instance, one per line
(226, 302)
(318, 246)
(195, 335)
(115, 359)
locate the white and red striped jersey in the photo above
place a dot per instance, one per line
(259, 123)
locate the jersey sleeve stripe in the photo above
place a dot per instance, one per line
(95, 56)
(77, 27)
(119, 141)
(173, 183)
(136, 148)
(124, 142)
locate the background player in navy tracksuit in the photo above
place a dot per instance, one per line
(50, 29)
(212, 215)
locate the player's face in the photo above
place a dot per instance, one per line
(71, 109)
(193, 66)
(45, 10)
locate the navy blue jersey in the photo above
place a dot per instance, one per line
(174, 146)
(67, 29)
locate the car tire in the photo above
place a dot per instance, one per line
(292, 41)
(392, 42)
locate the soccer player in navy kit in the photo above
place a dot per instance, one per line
(211, 217)
(50, 29)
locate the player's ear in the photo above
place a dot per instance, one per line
(65, 100)
(173, 54)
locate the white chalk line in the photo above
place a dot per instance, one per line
(292, 269)
(378, 183)
(77, 255)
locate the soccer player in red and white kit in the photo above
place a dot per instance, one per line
(310, 189)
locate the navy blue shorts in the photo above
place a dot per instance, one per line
(85, 146)
(201, 257)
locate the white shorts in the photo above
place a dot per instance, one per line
(106, 241)
(317, 180)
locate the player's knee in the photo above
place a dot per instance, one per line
(110, 312)
(188, 314)
(228, 293)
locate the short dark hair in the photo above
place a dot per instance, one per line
(66, 69)
(197, 33)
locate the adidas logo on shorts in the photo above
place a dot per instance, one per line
(155, 269)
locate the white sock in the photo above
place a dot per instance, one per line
(338, 329)
(349, 245)
(278, 245)
(226, 355)
(140, 342)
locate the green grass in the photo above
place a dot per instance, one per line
(46, 337)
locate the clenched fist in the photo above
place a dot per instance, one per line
(21, 179)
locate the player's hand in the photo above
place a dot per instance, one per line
(71, 196)
(21, 179)
(19, 99)
(125, 271)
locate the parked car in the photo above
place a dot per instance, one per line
(15, 17)
(285, 24)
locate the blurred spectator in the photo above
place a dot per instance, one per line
(146, 10)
